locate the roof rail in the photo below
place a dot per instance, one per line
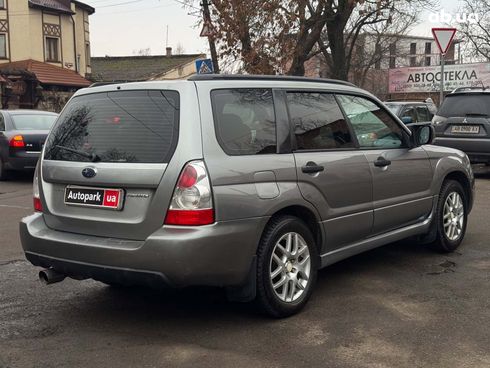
(475, 88)
(208, 77)
(100, 84)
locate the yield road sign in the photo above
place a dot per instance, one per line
(444, 37)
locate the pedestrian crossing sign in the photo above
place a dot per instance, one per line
(204, 66)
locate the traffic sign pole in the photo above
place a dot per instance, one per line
(444, 37)
(441, 96)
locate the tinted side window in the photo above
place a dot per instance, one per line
(245, 121)
(423, 113)
(318, 121)
(410, 113)
(372, 125)
(2, 123)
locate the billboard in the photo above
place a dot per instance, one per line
(428, 78)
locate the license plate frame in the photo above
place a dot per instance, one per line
(465, 129)
(102, 198)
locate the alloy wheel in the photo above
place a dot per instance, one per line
(453, 216)
(290, 267)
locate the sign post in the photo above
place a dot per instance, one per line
(444, 37)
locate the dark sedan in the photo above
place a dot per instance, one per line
(22, 136)
(410, 111)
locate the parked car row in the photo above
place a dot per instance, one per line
(22, 136)
(243, 182)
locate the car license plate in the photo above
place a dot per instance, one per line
(465, 129)
(111, 199)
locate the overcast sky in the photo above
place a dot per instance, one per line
(122, 27)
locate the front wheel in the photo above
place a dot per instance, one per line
(451, 217)
(287, 266)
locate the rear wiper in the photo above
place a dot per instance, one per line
(91, 156)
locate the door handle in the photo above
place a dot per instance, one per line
(382, 162)
(312, 168)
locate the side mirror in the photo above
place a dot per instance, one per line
(407, 120)
(422, 133)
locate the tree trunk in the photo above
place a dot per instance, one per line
(339, 68)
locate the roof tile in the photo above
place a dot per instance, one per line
(136, 68)
(47, 73)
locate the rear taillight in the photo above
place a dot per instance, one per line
(17, 141)
(38, 207)
(192, 202)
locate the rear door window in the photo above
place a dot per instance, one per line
(245, 121)
(123, 126)
(318, 122)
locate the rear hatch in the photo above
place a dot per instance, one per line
(465, 115)
(105, 159)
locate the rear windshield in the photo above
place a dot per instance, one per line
(33, 122)
(123, 126)
(464, 105)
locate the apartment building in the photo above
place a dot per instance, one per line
(44, 46)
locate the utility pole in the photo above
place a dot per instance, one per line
(212, 45)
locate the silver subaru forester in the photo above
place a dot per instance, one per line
(244, 182)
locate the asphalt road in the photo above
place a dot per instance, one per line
(397, 306)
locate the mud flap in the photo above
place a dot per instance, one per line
(246, 292)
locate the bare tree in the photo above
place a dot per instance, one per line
(476, 28)
(349, 20)
(142, 52)
(279, 36)
(373, 46)
(179, 49)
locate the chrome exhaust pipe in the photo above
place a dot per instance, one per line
(50, 276)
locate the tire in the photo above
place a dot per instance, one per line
(453, 205)
(3, 172)
(299, 267)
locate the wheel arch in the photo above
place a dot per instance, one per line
(463, 179)
(305, 214)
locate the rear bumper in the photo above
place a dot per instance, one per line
(27, 161)
(477, 149)
(216, 255)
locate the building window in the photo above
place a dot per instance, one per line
(393, 55)
(428, 48)
(413, 48)
(427, 60)
(2, 4)
(87, 54)
(3, 46)
(413, 60)
(52, 49)
(378, 55)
